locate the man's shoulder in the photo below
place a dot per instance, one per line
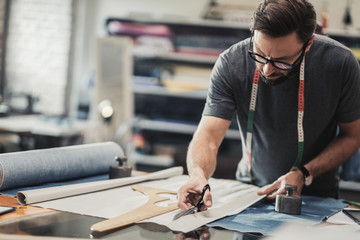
(328, 43)
(238, 48)
(329, 51)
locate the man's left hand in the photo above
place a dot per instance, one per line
(294, 178)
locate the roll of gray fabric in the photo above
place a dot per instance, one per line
(29, 168)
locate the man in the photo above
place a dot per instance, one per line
(289, 90)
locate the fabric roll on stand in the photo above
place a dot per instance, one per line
(34, 167)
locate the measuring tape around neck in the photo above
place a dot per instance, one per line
(300, 119)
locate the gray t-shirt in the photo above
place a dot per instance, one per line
(332, 95)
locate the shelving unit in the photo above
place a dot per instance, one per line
(170, 86)
(164, 91)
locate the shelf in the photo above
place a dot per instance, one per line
(192, 40)
(165, 161)
(176, 127)
(166, 91)
(342, 33)
(182, 57)
(192, 22)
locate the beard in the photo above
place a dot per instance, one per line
(280, 77)
(273, 82)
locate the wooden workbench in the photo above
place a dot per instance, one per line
(20, 211)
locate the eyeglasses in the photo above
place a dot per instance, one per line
(277, 64)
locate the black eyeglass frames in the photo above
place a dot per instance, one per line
(277, 64)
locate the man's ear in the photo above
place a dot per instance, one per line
(311, 41)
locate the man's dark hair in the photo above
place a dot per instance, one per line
(278, 18)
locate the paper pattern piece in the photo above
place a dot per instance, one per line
(341, 218)
(229, 197)
(148, 210)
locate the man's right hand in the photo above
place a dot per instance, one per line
(190, 193)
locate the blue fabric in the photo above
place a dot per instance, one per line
(261, 217)
(34, 167)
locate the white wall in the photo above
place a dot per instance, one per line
(336, 11)
(37, 56)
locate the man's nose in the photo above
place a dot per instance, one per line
(268, 69)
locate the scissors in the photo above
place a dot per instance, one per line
(197, 206)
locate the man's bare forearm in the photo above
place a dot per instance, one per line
(203, 149)
(337, 152)
(340, 149)
(201, 159)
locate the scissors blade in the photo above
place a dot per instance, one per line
(184, 213)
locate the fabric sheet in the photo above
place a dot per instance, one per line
(229, 197)
(261, 217)
(233, 205)
(28, 168)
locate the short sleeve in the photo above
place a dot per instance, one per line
(220, 100)
(348, 109)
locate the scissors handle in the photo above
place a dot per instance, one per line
(197, 206)
(200, 201)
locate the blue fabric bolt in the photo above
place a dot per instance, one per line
(30, 168)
